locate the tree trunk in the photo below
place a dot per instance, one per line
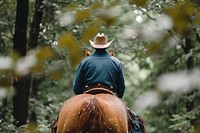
(35, 25)
(21, 85)
(188, 47)
(190, 65)
(21, 100)
(33, 42)
(4, 108)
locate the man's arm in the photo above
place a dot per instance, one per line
(79, 81)
(121, 82)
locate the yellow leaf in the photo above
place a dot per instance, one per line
(139, 2)
(82, 15)
(44, 53)
(152, 48)
(32, 127)
(56, 75)
(6, 79)
(96, 5)
(90, 31)
(108, 21)
(71, 7)
(188, 8)
(197, 127)
(15, 56)
(75, 57)
(197, 18)
(180, 20)
(69, 42)
(39, 67)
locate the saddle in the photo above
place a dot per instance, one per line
(94, 91)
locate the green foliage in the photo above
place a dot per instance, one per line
(6, 26)
(146, 54)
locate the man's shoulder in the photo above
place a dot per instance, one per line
(86, 59)
(115, 59)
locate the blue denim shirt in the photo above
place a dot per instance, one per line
(100, 67)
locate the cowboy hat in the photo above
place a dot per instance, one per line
(100, 42)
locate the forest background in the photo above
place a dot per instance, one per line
(43, 41)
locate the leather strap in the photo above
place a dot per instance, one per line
(99, 85)
(94, 91)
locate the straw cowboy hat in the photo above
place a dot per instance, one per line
(100, 42)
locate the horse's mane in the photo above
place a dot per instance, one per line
(91, 116)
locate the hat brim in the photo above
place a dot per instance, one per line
(97, 46)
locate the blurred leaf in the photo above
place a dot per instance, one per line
(139, 2)
(5, 79)
(108, 21)
(110, 15)
(39, 68)
(197, 129)
(82, 15)
(69, 42)
(180, 20)
(197, 18)
(188, 8)
(45, 53)
(15, 56)
(71, 7)
(152, 48)
(90, 31)
(56, 69)
(56, 75)
(32, 127)
(96, 5)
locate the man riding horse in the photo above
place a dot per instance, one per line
(101, 70)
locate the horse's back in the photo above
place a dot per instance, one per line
(93, 113)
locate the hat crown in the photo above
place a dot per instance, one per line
(100, 42)
(100, 39)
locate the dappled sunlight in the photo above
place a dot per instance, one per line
(111, 12)
(6, 63)
(139, 19)
(66, 19)
(130, 33)
(3, 93)
(180, 82)
(150, 31)
(24, 64)
(147, 99)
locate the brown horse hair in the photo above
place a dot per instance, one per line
(91, 117)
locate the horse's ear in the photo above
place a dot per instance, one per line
(112, 53)
(87, 52)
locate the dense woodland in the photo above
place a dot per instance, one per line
(43, 41)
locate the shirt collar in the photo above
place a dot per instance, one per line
(100, 52)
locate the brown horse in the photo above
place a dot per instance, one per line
(88, 113)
